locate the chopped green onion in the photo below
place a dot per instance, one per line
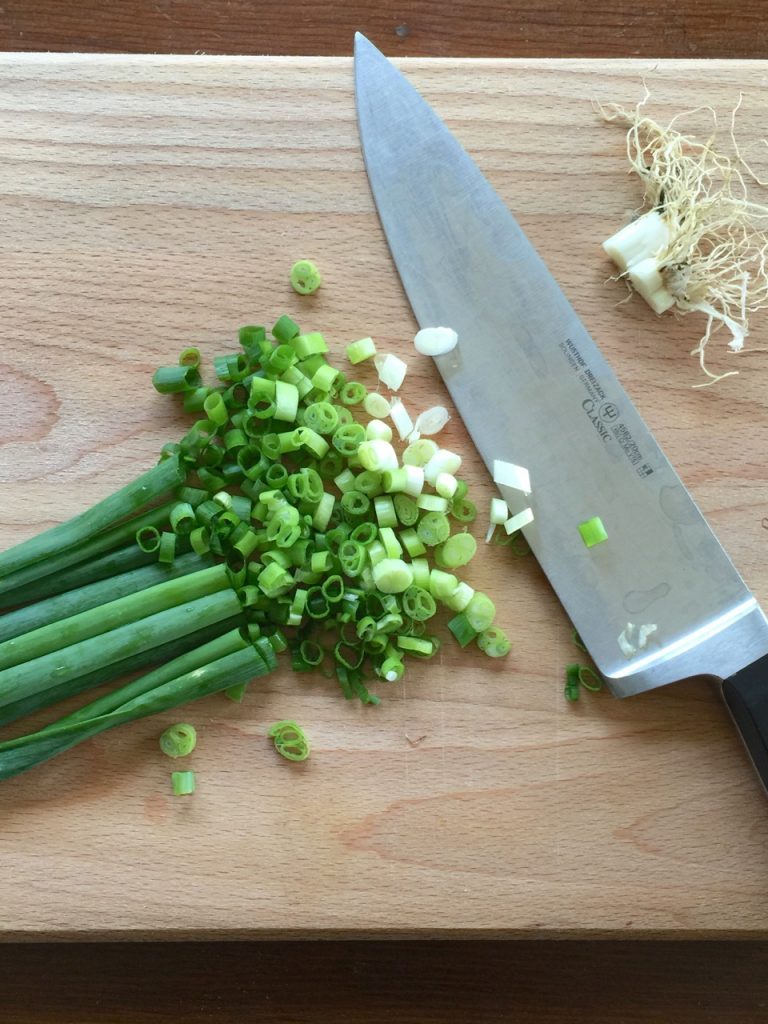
(392, 546)
(384, 508)
(305, 277)
(354, 506)
(462, 630)
(286, 401)
(446, 485)
(323, 512)
(442, 461)
(167, 549)
(290, 740)
(585, 673)
(457, 550)
(391, 370)
(376, 552)
(413, 645)
(215, 409)
(190, 357)
(148, 538)
(345, 481)
(352, 556)
(412, 544)
(168, 380)
(377, 455)
(365, 533)
(406, 509)
(572, 690)
(357, 351)
(392, 576)
(494, 642)
(432, 503)
(369, 482)
(433, 528)
(419, 453)
(418, 604)
(480, 612)
(376, 405)
(284, 330)
(182, 518)
(322, 417)
(593, 532)
(507, 474)
(183, 783)
(352, 393)
(442, 584)
(348, 438)
(459, 600)
(179, 740)
(402, 421)
(499, 511)
(377, 430)
(463, 510)
(421, 573)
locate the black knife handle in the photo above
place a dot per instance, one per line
(746, 695)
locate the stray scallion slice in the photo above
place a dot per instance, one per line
(305, 277)
(179, 740)
(183, 783)
(494, 642)
(360, 350)
(593, 532)
(290, 740)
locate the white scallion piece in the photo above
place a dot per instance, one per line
(376, 405)
(517, 522)
(507, 474)
(414, 481)
(442, 461)
(432, 421)
(391, 370)
(634, 638)
(413, 437)
(446, 485)
(461, 597)
(499, 511)
(378, 431)
(378, 456)
(399, 416)
(419, 452)
(435, 341)
(490, 532)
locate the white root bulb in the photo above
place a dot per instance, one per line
(702, 245)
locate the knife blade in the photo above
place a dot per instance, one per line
(533, 388)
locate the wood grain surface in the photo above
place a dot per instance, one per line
(468, 28)
(377, 982)
(148, 203)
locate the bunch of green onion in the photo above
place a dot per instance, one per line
(277, 524)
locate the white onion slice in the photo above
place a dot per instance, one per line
(517, 522)
(399, 416)
(507, 474)
(391, 370)
(435, 341)
(432, 421)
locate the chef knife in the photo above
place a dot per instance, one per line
(533, 388)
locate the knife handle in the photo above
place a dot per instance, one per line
(746, 696)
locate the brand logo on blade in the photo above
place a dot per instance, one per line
(609, 412)
(590, 408)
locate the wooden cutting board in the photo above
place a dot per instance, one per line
(148, 203)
